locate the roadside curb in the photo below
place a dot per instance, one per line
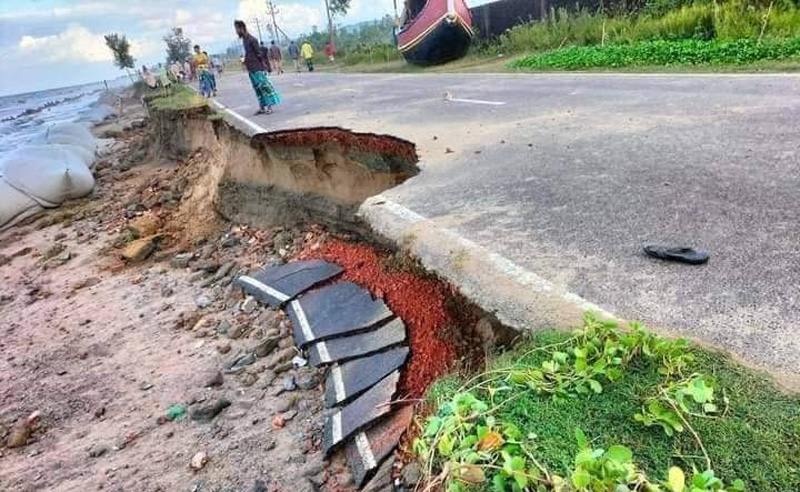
(519, 298)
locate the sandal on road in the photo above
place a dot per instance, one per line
(680, 254)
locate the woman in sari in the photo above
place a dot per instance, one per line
(203, 71)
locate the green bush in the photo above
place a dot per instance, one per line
(730, 20)
(372, 53)
(664, 53)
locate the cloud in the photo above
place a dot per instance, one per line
(293, 18)
(76, 44)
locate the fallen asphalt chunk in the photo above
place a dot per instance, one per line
(334, 311)
(375, 403)
(277, 285)
(362, 344)
(367, 449)
(347, 380)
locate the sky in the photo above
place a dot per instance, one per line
(56, 43)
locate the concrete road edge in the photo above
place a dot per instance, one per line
(519, 298)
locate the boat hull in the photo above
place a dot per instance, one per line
(442, 32)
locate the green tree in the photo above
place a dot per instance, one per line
(119, 45)
(179, 47)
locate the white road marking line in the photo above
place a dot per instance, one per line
(324, 355)
(280, 296)
(477, 101)
(253, 126)
(365, 450)
(338, 383)
(336, 427)
(301, 317)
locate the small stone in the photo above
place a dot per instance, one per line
(249, 305)
(237, 331)
(412, 474)
(223, 326)
(97, 451)
(207, 413)
(203, 302)
(140, 249)
(224, 347)
(166, 291)
(198, 461)
(284, 355)
(289, 416)
(19, 434)
(260, 486)
(289, 384)
(266, 347)
(182, 260)
(213, 380)
(145, 225)
(239, 363)
(307, 379)
(145, 385)
(278, 422)
(229, 241)
(286, 404)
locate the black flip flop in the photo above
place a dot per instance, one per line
(681, 254)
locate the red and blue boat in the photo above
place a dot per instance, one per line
(435, 31)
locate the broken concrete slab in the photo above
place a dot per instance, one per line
(369, 448)
(334, 311)
(375, 403)
(277, 285)
(347, 380)
(362, 344)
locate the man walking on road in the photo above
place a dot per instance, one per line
(307, 52)
(256, 68)
(276, 58)
(294, 54)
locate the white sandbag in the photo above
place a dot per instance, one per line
(68, 134)
(15, 206)
(50, 174)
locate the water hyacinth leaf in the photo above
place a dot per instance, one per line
(471, 474)
(619, 454)
(581, 478)
(676, 479)
(580, 438)
(434, 424)
(492, 441)
(595, 385)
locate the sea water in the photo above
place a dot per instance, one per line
(23, 116)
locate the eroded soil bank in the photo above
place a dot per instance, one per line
(126, 351)
(288, 178)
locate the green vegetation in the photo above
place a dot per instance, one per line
(179, 97)
(664, 53)
(654, 410)
(698, 34)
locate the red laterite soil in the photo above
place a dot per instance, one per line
(435, 323)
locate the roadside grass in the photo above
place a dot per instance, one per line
(178, 97)
(756, 440)
(664, 53)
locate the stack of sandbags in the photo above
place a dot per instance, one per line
(44, 174)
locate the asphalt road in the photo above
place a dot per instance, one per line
(574, 173)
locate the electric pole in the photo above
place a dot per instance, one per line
(273, 11)
(330, 22)
(258, 25)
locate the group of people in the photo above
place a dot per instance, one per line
(258, 61)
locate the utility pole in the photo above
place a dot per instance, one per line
(330, 22)
(273, 11)
(258, 25)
